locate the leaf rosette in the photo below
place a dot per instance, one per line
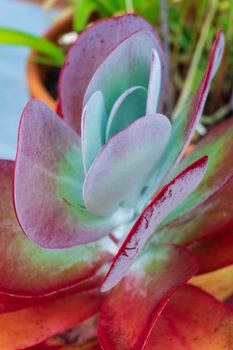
(106, 176)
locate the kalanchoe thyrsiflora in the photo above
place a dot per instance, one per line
(112, 163)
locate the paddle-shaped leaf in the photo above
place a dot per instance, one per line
(94, 121)
(162, 204)
(10, 303)
(218, 145)
(215, 251)
(130, 106)
(92, 47)
(129, 312)
(210, 217)
(193, 320)
(133, 60)
(185, 123)
(48, 183)
(123, 165)
(28, 270)
(30, 326)
(155, 83)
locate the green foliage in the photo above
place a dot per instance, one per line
(15, 37)
(192, 27)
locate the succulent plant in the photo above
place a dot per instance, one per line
(101, 190)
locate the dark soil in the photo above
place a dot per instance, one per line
(51, 81)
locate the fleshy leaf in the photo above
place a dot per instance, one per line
(94, 121)
(26, 269)
(30, 326)
(133, 59)
(218, 145)
(185, 123)
(155, 83)
(48, 183)
(215, 251)
(10, 303)
(161, 205)
(131, 309)
(188, 120)
(92, 47)
(212, 216)
(193, 320)
(124, 163)
(130, 106)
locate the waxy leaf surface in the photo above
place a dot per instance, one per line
(215, 251)
(11, 303)
(131, 60)
(218, 145)
(119, 172)
(185, 123)
(129, 312)
(155, 83)
(209, 218)
(94, 121)
(31, 326)
(130, 106)
(26, 269)
(193, 320)
(161, 205)
(86, 55)
(48, 183)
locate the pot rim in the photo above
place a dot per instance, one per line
(36, 71)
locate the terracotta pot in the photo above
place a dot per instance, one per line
(38, 73)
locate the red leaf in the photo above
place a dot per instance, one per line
(213, 216)
(214, 252)
(184, 125)
(30, 326)
(217, 145)
(199, 99)
(28, 270)
(193, 320)
(162, 204)
(130, 310)
(10, 303)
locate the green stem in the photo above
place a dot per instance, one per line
(129, 6)
(230, 21)
(187, 87)
(219, 115)
(200, 11)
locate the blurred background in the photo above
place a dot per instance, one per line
(186, 27)
(29, 17)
